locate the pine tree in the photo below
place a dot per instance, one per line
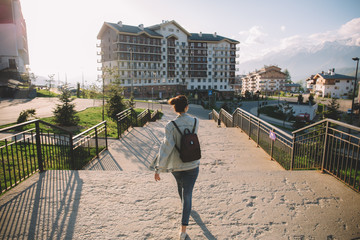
(65, 114)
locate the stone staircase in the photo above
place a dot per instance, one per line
(240, 194)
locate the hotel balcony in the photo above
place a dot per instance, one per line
(136, 43)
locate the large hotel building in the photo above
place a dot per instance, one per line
(165, 59)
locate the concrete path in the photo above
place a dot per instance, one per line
(240, 194)
(11, 108)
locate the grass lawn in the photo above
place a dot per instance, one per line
(45, 93)
(88, 118)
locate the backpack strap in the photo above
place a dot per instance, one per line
(194, 126)
(176, 126)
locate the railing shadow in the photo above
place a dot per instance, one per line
(105, 162)
(47, 209)
(202, 225)
(142, 146)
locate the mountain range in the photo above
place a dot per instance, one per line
(302, 62)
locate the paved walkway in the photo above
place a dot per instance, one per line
(240, 194)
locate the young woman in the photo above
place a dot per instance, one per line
(168, 159)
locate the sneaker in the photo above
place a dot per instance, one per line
(182, 236)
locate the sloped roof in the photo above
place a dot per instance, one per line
(158, 26)
(209, 37)
(128, 29)
(335, 76)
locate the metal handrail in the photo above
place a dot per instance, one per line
(317, 146)
(265, 123)
(352, 127)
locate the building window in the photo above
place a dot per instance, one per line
(192, 87)
(204, 80)
(209, 80)
(209, 74)
(209, 87)
(192, 80)
(221, 87)
(204, 87)
(199, 80)
(209, 59)
(199, 87)
(225, 87)
(215, 87)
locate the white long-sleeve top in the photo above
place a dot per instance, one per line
(168, 158)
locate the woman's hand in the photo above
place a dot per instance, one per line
(157, 177)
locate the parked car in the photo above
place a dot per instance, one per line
(349, 111)
(303, 117)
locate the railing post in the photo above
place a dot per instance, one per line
(325, 146)
(249, 127)
(272, 147)
(96, 143)
(72, 159)
(241, 121)
(118, 128)
(258, 133)
(38, 147)
(292, 160)
(106, 141)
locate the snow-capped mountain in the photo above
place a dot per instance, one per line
(304, 61)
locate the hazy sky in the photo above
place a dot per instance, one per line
(62, 33)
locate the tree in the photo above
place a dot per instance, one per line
(300, 99)
(65, 113)
(311, 99)
(247, 95)
(50, 81)
(111, 73)
(287, 111)
(287, 76)
(78, 90)
(115, 104)
(332, 109)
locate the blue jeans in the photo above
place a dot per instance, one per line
(185, 182)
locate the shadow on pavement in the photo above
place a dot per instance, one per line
(106, 162)
(202, 225)
(47, 209)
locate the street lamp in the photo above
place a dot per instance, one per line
(353, 97)
(132, 76)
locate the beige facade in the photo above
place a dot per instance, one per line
(331, 84)
(166, 55)
(269, 79)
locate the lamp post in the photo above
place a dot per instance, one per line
(132, 76)
(353, 97)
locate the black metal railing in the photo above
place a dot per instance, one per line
(37, 146)
(89, 144)
(128, 118)
(326, 145)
